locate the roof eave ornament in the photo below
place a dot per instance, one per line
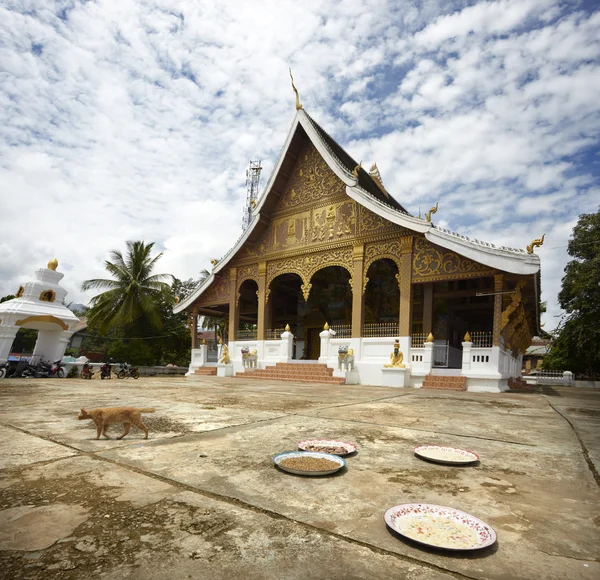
(535, 243)
(298, 104)
(430, 212)
(356, 170)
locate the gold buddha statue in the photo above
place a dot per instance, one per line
(396, 357)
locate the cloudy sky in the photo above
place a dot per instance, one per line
(135, 120)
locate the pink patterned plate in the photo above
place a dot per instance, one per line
(446, 455)
(333, 446)
(440, 527)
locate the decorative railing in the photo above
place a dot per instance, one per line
(342, 330)
(274, 333)
(378, 329)
(418, 340)
(482, 339)
(246, 335)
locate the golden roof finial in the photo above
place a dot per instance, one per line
(298, 105)
(326, 327)
(432, 210)
(467, 337)
(213, 262)
(376, 176)
(537, 242)
(356, 170)
(53, 264)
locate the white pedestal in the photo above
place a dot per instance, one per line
(352, 378)
(224, 370)
(395, 377)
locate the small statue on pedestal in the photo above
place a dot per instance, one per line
(225, 355)
(345, 358)
(396, 357)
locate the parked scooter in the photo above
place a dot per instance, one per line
(58, 369)
(126, 371)
(106, 369)
(87, 372)
(3, 370)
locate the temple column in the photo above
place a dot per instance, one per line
(234, 305)
(194, 327)
(263, 318)
(428, 308)
(358, 297)
(497, 328)
(405, 276)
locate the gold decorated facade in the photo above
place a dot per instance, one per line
(309, 223)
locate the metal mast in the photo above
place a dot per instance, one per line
(252, 184)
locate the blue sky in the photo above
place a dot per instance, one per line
(136, 120)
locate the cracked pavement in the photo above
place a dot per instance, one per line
(201, 499)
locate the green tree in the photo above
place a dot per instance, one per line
(577, 344)
(131, 298)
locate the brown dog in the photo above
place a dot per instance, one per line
(108, 415)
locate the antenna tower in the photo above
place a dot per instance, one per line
(252, 184)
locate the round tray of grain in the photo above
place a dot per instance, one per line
(308, 463)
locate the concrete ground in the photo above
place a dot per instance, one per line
(201, 498)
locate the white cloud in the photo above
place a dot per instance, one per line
(130, 120)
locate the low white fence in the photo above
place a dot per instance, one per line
(550, 378)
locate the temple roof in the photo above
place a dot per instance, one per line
(363, 189)
(365, 181)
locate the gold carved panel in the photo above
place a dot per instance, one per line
(432, 263)
(218, 293)
(311, 181)
(246, 273)
(370, 223)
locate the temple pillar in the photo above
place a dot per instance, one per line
(234, 305)
(263, 317)
(194, 327)
(405, 280)
(358, 297)
(497, 328)
(428, 308)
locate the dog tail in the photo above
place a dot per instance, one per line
(147, 410)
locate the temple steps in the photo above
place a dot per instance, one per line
(296, 373)
(206, 371)
(445, 383)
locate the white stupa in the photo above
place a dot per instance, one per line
(39, 305)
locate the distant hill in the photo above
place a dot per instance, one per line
(79, 307)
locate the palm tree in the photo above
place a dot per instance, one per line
(132, 296)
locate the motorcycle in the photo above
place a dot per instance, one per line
(106, 370)
(87, 372)
(57, 369)
(3, 370)
(127, 371)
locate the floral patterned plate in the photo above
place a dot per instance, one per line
(440, 527)
(339, 448)
(446, 455)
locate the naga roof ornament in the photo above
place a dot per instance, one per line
(535, 243)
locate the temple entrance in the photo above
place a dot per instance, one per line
(330, 300)
(456, 310)
(382, 299)
(248, 309)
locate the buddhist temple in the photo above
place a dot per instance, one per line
(331, 260)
